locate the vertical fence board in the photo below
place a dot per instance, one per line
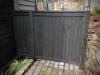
(69, 38)
(80, 39)
(73, 37)
(53, 37)
(49, 37)
(35, 35)
(66, 39)
(56, 37)
(44, 43)
(76, 38)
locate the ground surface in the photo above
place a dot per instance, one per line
(46, 67)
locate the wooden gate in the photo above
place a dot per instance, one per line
(55, 35)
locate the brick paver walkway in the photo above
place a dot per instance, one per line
(46, 67)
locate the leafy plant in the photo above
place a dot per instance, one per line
(15, 66)
(95, 10)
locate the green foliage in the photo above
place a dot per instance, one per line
(15, 66)
(95, 10)
(92, 12)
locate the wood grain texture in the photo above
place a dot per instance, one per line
(24, 35)
(57, 35)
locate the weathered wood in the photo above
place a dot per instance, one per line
(24, 35)
(80, 36)
(58, 35)
(77, 19)
(73, 39)
(66, 35)
(85, 34)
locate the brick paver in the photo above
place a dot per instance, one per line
(29, 72)
(36, 63)
(20, 72)
(33, 67)
(49, 71)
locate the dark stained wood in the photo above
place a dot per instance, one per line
(7, 49)
(66, 36)
(57, 35)
(24, 34)
(5, 24)
(4, 31)
(5, 17)
(7, 39)
(85, 34)
(80, 54)
(6, 36)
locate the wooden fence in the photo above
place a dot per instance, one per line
(52, 35)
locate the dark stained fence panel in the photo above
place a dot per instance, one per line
(24, 35)
(59, 36)
(56, 35)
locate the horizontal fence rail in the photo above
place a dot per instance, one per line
(54, 35)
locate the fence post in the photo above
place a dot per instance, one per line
(86, 26)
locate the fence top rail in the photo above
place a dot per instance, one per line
(75, 11)
(51, 13)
